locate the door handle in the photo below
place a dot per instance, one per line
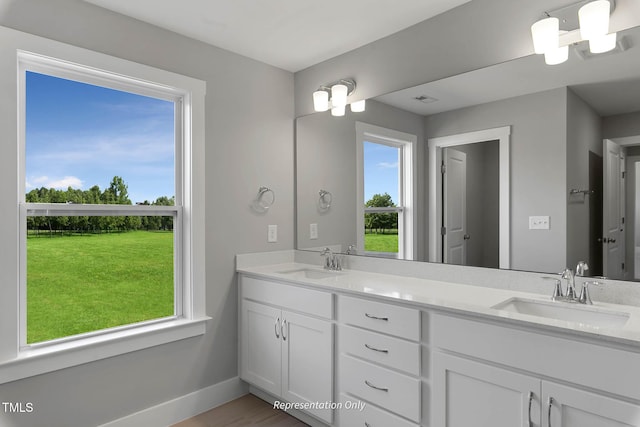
(276, 328)
(284, 328)
(466, 237)
(549, 411)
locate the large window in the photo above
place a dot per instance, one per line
(110, 191)
(385, 191)
(101, 212)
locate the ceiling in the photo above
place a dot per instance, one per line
(608, 82)
(289, 34)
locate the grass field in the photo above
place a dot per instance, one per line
(78, 284)
(382, 242)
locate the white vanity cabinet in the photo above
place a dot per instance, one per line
(379, 362)
(495, 391)
(286, 342)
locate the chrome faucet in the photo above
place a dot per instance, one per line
(571, 295)
(567, 275)
(331, 261)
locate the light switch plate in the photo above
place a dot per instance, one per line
(313, 231)
(272, 236)
(539, 223)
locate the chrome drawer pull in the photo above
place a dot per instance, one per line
(386, 319)
(376, 349)
(549, 412)
(277, 330)
(377, 388)
(284, 329)
(530, 401)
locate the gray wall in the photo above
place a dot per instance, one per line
(584, 134)
(621, 125)
(326, 159)
(538, 161)
(249, 143)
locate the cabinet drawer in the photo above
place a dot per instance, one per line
(383, 349)
(295, 298)
(380, 317)
(390, 390)
(372, 416)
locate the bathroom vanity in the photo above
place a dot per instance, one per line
(420, 352)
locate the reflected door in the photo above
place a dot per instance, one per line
(613, 221)
(454, 191)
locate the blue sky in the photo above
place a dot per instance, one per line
(380, 171)
(80, 135)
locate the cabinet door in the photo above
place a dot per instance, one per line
(261, 346)
(307, 362)
(467, 393)
(569, 407)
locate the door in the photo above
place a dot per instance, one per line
(307, 362)
(468, 393)
(261, 346)
(569, 407)
(613, 250)
(454, 207)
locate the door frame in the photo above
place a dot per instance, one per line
(503, 135)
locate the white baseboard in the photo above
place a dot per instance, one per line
(183, 407)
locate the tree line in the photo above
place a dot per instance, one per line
(379, 222)
(116, 194)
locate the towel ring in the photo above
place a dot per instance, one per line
(324, 202)
(265, 202)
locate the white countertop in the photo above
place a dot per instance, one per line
(464, 299)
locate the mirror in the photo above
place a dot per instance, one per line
(541, 190)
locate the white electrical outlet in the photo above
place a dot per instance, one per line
(538, 223)
(313, 231)
(272, 236)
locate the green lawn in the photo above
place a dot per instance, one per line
(78, 284)
(381, 242)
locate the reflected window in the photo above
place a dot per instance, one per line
(385, 193)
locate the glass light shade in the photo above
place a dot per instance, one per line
(594, 19)
(556, 56)
(338, 111)
(545, 34)
(339, 95)
(358, 106)
(603, 44)
(321, 100)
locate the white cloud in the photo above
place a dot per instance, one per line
(60, 184)
(387, 165)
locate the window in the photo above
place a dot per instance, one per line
(385, 191)
(101, 211)
(110, 193)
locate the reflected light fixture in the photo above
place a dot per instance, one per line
(593, 17)
(334, 97)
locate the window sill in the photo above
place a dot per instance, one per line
(36, 361)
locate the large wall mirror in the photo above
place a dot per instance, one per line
(520, 165)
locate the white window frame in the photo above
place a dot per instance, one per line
(19, 360)
(406, 182)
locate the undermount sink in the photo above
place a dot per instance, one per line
(310, 273)
(570, 312)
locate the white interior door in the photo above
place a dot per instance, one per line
(454, 181)
(613, 251)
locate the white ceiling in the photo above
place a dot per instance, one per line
(608, 82)
(289, 34)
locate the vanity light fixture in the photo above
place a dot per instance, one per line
(334, 96)
(593, 18)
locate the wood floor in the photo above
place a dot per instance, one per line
(245, 411)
